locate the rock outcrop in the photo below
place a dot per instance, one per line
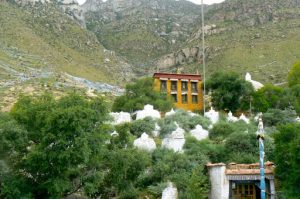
(184, 56)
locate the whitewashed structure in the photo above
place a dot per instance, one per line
(171, 112)
(170, 192)
(230, 181)
(244, 118)
(256, 85)
(212, 115)
(145, 143)
(199, 133)
(231, 118)
(175, 141)
(147, 112)
(121, 117)
(156, 131)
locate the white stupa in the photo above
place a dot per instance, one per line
(156, 131)
(256, 85)
(147, 112)
(244, 118)
(231, 118)
(199, 133)
(145, 143)
(170, 192)
(175, 141)
(171, 112)
(121, 117)
(212, 115)
(114, 134)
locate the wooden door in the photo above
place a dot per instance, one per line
(244, 191)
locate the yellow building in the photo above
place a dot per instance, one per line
(186, 89)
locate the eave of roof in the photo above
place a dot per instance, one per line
(177, 76)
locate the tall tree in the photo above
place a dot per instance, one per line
(287, 159)
(63, 147)
(229, 91)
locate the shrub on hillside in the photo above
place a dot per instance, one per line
(140, 93)
(146, 125)
(274, 117)
(268, 97)
(294, 75)
(184, 120)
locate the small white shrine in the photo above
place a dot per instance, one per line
(147, 112)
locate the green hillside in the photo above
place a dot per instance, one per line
(42, 36)
(260, 37)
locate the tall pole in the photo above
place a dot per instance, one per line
(203, 55)
(260, 137)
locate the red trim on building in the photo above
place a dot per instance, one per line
(177, 76)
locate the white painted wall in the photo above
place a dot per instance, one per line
(219, 183)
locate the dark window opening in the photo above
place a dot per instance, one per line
(184, 86)
(195, 99)
(174, 96)
(194, 87)
(174, 85)
(163, 85)
(184, 99)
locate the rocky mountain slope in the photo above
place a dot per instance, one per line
(258, 36)
(141, 30)
(44, 45)
(46, 36)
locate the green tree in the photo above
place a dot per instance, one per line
(273, 117)
(294, 74)
(267, 97)
(287, 159)
(63, 151)
(139, 94)
(229, 91)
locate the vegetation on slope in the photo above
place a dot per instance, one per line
(42, 36)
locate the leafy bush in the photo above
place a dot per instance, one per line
(138, 127)
(294, 74)
(184, 120)
(274, 117)
(221, 131)
(267, 97)
(139, 94)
